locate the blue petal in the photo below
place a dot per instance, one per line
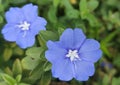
(79, 37)
(10, 32)
(89, 45)
(25, 40)
(83, 70)
(67, 39)
(14, 15)
(61, 66)
(38, 24)
(30, 11)
(92, 56)
(63, 69)
(54, 53)
(53, 45)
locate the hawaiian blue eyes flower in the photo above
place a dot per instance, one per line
(73, 56)
(22, 25)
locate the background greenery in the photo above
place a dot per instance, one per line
(99, 19)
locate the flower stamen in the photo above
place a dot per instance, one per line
(73, 55)
(24, 25)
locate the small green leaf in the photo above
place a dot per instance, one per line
(47, 66)
(114, 17)
(18, 1)
(9, 80)
(52, 14)
(3, 83)
(60, 31)
(1, 8)
(56, 3)
(17, 68)
(85, 13)
(83, 8)
(72, 13)
(92, 19)
(8, 71)
(7, 54)
(48, 35)
(93, 4)
(17, 50)
(30, 63)
(116, 61)
(67, 4)
(18, 78)
(46, 78)
(105, 49)
(42, 2)
(1, 19)
(116, 81)
(35, 52)
(110, 37)
(105, 41)
(36, 73)
(106, 80)
(24, 84)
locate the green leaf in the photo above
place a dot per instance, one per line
(7, 54)
(56, 3)
(9, 80)
(116, 81)
(116, 61)
(8, 71)
(17, 1)
(30, 63)
(60, 31)
(24, 84)
(72, 13)
(1, 8)
(92, 5)
(1, 19)
(106, 80)
(18, 78)
(17, 51)
(52, 14)
(35, 52)
(110, 37)
(112, 2)
(42, 2)
(85, 13)
(67, 4)
(36, 73)
(114, 17)
(83, 8)
(48, 35)
(47, 66)
(92, 19)
(17, 67)
(105, 49)
(3, 83)
(46, 78)
(69, 10)
(105, 41)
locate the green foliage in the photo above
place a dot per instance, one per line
(7, 54)
(99, 19)
(45, 79)
(17, 67)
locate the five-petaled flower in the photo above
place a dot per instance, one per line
(73, 56)
(22, 25)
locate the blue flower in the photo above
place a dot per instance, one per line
(73, 56)
(22, 25)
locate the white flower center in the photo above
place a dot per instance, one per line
(73, 55)
(24, 25)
